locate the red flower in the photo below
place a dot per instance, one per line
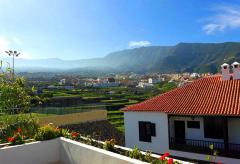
(219, 162)
(170, 161)
(19, 130)
(166, 154)
(11, 139)
(162, 157)
(74, 134)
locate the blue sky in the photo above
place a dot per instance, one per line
(79, 29)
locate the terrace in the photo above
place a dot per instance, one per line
(202, 147)
(196, 134)
(65, 151)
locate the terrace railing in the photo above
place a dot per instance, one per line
(202, 147)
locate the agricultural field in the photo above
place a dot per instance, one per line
(59, 102)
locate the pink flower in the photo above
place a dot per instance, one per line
(167, 154)
(162, 157)
(74, 134)
(11, 139)
(19, 130)
(170, 161)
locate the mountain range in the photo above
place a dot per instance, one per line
(183, 57)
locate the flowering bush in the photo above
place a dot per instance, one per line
(163, 159)
(15, 102)
(10, 123)
(75, 136)
(47, 132)
(17, 138)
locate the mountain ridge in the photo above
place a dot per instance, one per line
(182, 57)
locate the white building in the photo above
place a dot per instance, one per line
(144, 85)
(155, 80)
(62, 82)
(195, 75)
(186, 120)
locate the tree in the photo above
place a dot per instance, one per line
(168, 86)
(15, 101)
(13, 96)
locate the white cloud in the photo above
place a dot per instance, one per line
(134, 44)
(226, 17)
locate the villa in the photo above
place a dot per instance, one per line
(187, 120)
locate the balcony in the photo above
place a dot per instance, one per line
(202, 147)
(65, 151)
(59, 151)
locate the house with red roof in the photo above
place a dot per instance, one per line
(188, 119)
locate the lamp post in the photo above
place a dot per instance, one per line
(13, 54)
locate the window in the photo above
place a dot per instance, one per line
(193, 124)
(153, 130)
(146, 131)
(214, 128)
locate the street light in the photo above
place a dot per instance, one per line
(13, 54)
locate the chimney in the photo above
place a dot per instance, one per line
(225, 72)
(236, 70)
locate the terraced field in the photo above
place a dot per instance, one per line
(110, 99)
(116, 119)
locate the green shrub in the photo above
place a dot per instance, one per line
(47, 132)
(109, 145)
(90, 141)
(65, 133)
(157, 161)
(136, 153)
(148, 156)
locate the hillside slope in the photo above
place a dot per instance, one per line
(190, 57)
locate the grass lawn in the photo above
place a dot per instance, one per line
(37, 115)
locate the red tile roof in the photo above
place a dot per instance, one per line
(206, 96)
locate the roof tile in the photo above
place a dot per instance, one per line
(206, 96)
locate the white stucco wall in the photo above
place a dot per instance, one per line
(159, 142)
(73, 152)
(234, 130)
(44, 152)
(61, 151)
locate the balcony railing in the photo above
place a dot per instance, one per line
(201, 146)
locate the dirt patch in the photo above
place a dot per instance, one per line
(100, 130)
(74, 118)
